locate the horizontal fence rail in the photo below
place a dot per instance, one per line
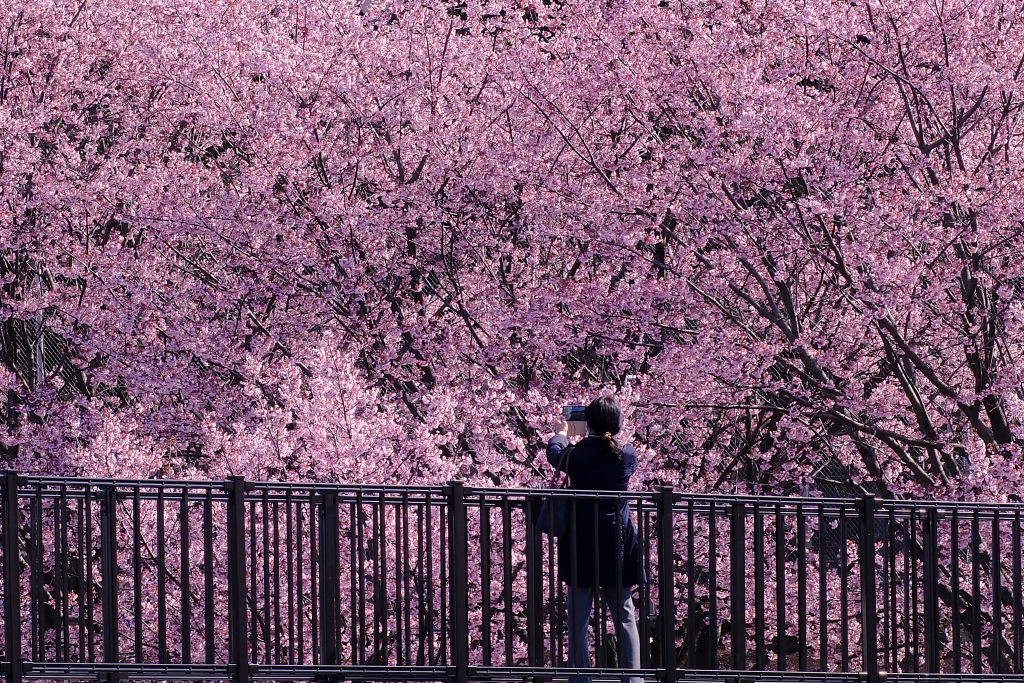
(155, 579)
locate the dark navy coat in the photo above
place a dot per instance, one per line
(592, 466)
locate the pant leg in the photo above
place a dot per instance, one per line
(580, 603)
(621, 602)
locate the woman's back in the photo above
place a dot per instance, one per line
(593, 467)
(602, 535)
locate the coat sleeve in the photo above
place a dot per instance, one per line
(629, 460)
(556, 446)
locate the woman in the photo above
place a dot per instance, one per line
(601, 548)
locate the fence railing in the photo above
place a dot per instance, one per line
(254, 580)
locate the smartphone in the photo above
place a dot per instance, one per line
(576, 417)
(574, 413)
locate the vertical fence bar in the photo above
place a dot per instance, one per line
(738, 585)
(931, 599)
(954, 582)
(35, 572)
(78, 567)
(266, 552)
(760, 656)
(406, 572)
(534, 588)
(485, 581)
(780, 588)
(869, 611)
(314, 620)
(329, 573)
(12, 578)
(300, 640)
(356, 586)
(844, 592)
(912, 533)
(61, 631)
(430, 613)
(822, 593)
(90, 606)
(208, 597)
(400, 601)
(163, 655)
(888, 615)
(598, 622)
(1018, 652)
(644, 613)
(185, 573)
(506, 572)
(137, 571)
(666, 583)
(290, 576)
(358, 547)
(379, 564)
(276, 541)
(108, 569)
(457, 555)
(913, 555)
(445, 595)
(237, 636)
(997, 596)
(801, 587)
(976, 590)
(254, 581)
(713, 632)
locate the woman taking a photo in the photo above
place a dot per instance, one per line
(604, 555)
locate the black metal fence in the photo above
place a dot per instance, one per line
(252, 580)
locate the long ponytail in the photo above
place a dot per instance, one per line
(613, 445)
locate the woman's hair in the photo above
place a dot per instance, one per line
(604, 418)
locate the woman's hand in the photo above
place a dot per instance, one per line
(562, 427)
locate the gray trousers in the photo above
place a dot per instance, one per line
(620, 602)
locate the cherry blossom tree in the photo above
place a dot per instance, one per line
(387, 241)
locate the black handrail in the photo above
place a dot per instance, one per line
(199, 580)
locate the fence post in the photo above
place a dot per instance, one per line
(666, 585)
(237, 635)
(738, 586)
(108, 569)
(12, 577)
(329, 573)
(868, 607)
(458, 576)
